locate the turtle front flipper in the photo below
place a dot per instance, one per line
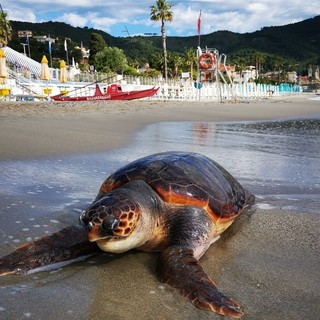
(68, 244)
(179, 267)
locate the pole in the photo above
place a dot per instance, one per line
(198, 55)
(29, 49)
(28, 43)
(198, 82)
(24, 48)
(67, 58)
(50, 51)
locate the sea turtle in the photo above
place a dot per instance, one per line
(176, 203)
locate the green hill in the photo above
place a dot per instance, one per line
(297, 43)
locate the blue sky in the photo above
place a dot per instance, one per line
(123, 18)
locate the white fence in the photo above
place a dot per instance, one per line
(221, 91)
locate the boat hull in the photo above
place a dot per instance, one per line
(121, 95)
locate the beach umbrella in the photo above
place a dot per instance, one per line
(3, 68)
(63, 71)
(45, 72)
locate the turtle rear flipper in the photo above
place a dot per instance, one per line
(68, 244)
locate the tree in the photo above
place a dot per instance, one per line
(241, 66)
(110, 59)
(5, 28)
(156, 61)
(97, 44)
(161, 12)
(175, 61)
(190, 58)
(258, 58)
(277, 64)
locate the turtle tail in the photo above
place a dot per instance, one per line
(66, 244)
(179, 268)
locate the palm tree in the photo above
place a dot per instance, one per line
(191, 59)
(5, 28)
(277, 64)
(259, 58)
(241, 66)
(161, 12)
(174, 62)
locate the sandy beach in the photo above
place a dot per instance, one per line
(267, 260)
(37, 129)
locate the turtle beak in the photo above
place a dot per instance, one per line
(94, 234)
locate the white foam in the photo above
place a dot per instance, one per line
(59, 265)
(265, 206)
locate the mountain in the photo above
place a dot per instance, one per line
(297, 43)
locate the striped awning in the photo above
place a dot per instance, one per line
(20, 60)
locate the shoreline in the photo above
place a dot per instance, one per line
(39, 129)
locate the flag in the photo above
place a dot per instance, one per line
(65, 45)
(199, 23)
(49, 46)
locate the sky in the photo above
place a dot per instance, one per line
(122, 18)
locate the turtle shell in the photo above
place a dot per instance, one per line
(186, 179)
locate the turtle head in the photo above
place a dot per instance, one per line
(122, 219)
(111, 219)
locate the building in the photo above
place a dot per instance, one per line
(25, 34)
(44, 39)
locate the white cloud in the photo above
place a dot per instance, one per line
(232, 15)
(73, 19)
(17, 14)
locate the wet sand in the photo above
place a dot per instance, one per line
(268, 260)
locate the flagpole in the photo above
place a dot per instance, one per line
(198, 54)
(28, 43)
(50, 51)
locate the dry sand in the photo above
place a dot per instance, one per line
(269, 260)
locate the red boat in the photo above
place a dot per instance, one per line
(113, 92)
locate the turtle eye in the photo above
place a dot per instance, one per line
(83, 219)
